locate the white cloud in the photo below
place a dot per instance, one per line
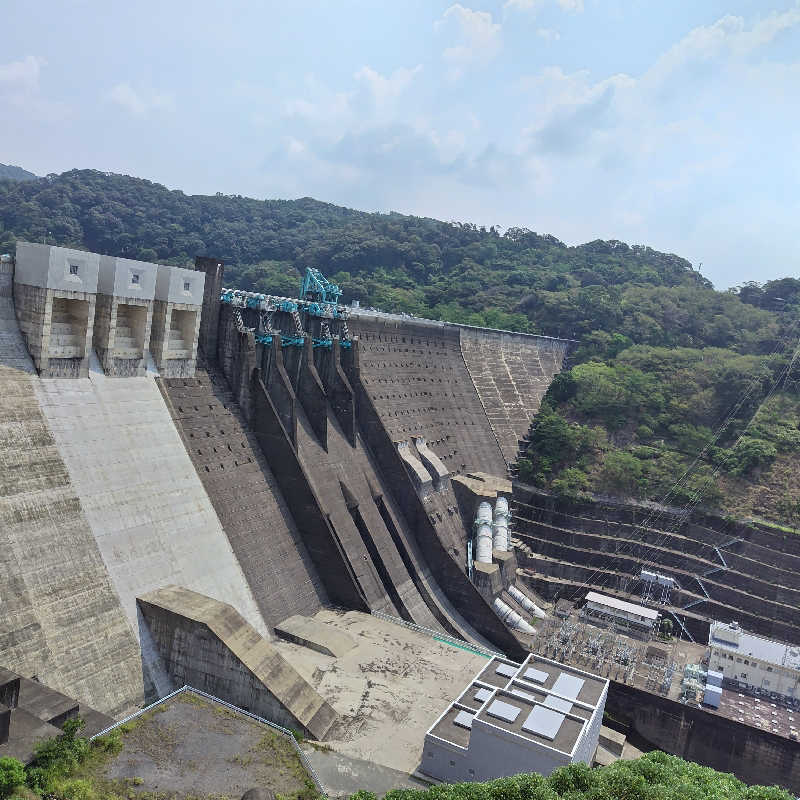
(548, 34)
(21, 76)
(533, 6)
(727, 36)
(386, 89)
(480, 38)
(141, 102)
(524, 5)
(20, 90)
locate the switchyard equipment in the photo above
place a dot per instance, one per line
(657, 587)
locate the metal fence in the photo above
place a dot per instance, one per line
(478, 649)
(284, 731)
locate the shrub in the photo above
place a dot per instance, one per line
(110, 743)
(12, 774)
(57, 757)
(77, 789)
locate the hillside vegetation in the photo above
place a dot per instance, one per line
(655, 776)
(661, 360)
(10, 172)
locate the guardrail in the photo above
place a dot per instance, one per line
(478, 649)
(284, 731)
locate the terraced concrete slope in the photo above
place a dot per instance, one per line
(246, 497)
(724, 570)
(511, 373)
(148, 511)
(60, 617)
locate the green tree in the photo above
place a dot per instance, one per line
(12, 774)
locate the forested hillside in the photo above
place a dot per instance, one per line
(661, 360)
(13, 173)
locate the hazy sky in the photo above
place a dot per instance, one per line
(671, 123)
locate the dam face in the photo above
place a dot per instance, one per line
(273, 478)
(185, 468)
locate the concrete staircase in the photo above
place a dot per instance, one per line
(125, 343)
(176, 345)
(67, 334)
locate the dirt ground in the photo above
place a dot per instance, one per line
(192, 748)
(389, 689)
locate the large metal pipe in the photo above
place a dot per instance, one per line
(502, 540)
(483, 543)
(510, 617)
(483, 533)
(526, 603)
(501, 508)
(500, 536)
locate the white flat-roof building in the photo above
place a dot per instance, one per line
(754, 662)
(621, 611)
(514, 718)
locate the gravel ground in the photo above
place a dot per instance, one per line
(193, 748)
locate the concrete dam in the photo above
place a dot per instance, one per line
(193, 475)
(277, 478)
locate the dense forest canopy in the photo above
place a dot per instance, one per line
(10, 172)
(660, 360)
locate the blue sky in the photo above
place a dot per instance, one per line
(673, 124)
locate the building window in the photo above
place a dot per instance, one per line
(73, 269)
(135, 277)
(738, 660)
(430, 754)
(452, 763)
(471, 773)
(186, 286)
(746, 661)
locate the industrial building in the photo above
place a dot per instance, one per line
(754, 662)
(513, 718)
(630, 615)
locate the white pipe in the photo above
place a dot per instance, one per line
(510, 617)
(484, 513)
(483, 543)
(501, 509)
(500, 539)
(526, 603)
